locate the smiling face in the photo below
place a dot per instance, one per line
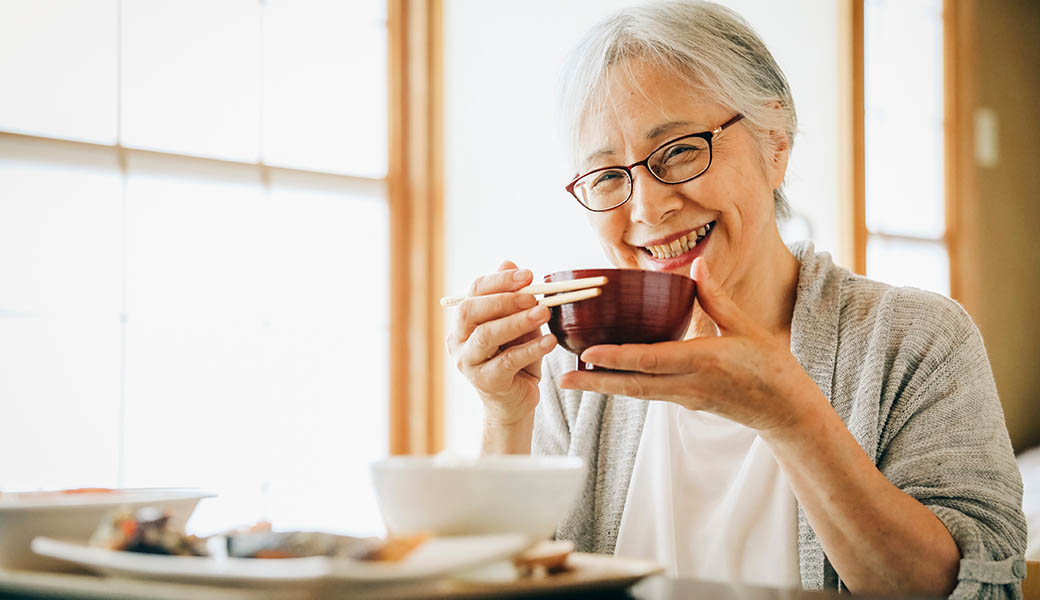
(725, 215)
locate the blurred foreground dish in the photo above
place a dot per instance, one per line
(74, 514)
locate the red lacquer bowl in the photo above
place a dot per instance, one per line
(634, 307)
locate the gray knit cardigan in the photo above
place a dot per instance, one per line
(907, 372)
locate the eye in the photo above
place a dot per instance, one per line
(680, 153)
(607, 179)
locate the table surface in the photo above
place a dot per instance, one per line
(653, 588)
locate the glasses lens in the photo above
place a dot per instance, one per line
(681, 160)
(605, 189)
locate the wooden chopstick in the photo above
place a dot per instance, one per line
(568, 297)
(555, 287)
(580, 289)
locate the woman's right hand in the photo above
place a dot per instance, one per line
(498, 346)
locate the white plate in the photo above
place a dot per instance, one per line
(25, 515)
(435, 557)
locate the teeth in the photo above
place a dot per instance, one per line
(681, 245)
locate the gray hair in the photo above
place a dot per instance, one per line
(706, 46)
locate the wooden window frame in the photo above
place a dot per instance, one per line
(953, 145)
(415, 193)
(958, 83)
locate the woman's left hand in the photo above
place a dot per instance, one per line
(744, 374)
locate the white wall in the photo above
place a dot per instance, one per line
(506, 162)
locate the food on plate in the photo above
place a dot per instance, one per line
(545, 558)
(149, 531)
(395, 548)
(297, 544)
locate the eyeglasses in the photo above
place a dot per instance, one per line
(676, 161)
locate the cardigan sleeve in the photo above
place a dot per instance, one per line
(948, 447)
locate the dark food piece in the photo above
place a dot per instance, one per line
(148, 532)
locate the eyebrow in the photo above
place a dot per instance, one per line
(666, 128)
(653, 133)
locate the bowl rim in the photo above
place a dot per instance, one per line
(585, 272)
(498, 462)
(56, 499)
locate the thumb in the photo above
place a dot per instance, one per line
(716, 303)
(507, 265)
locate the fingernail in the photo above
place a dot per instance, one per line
(521, 275)
(548, 341)
(538, 313)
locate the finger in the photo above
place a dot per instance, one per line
(633, 385)
(508, 280)
(500, 370)
(717, 303)
(476, 310)
(488, 338)
(659, 358)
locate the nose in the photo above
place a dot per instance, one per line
(652, 202)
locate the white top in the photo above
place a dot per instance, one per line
(708, 501)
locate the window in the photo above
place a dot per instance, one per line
(192, 194)
(904, 158)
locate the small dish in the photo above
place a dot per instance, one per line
(75, 516)
(470, 496)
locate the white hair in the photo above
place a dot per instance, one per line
(706, 46)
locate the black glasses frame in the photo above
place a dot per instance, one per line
(707, 136)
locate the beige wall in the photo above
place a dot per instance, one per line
(999, 266)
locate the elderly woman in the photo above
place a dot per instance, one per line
(814, 428)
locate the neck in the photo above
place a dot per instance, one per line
(766, 292)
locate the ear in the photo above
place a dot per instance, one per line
(780, 151)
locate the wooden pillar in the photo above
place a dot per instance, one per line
(415, 187)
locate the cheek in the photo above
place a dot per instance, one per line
(609, 226)
(745, 197)
(610, 231)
